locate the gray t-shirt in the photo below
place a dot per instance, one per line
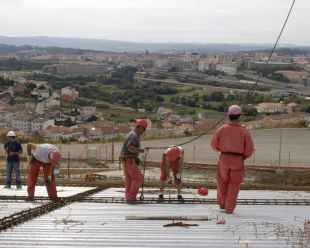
(42, 151)
(131, 139)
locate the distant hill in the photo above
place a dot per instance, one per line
(123, 46)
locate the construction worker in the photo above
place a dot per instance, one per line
(172, 158)
(13, 149)
(235, 144)
(130, 159)
(45, 156)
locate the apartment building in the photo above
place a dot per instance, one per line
(22, 122)
(267, 107)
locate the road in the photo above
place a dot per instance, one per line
(294, 148)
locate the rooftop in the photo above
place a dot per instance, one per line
(94, 224)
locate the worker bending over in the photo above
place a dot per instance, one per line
(172, 158)
(45, 156)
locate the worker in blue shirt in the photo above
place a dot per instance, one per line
(13, 150)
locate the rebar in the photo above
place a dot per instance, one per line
(31, 213)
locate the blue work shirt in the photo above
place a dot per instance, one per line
(13, 146)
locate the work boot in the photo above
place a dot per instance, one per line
(161, 197)
(19, 186)
(7, 186)
(180, 198)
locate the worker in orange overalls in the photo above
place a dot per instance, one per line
(235, 144)
(45, 156)
(130, 159)
(172, 158)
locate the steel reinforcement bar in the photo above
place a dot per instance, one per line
(28, 214)
(152, 200)
(304, 202)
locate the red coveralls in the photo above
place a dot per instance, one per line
(33, 173)
(175, 167)
(231, 137)
(133, 178)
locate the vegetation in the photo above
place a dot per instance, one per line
(20, 65)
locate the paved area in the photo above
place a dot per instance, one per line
(294, 152)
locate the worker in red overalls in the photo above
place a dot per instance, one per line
(235, 144)
(172, 158)
(45, 156)
(130, 159)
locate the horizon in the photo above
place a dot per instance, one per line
(138, 21)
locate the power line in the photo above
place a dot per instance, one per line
(250, 92)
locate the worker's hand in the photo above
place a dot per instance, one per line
(29, 158)
(47, 180)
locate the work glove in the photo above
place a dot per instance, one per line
(47, 180)
(178, 177)
(29, 158)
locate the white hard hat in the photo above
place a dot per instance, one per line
(11, 134)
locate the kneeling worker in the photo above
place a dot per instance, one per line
(45, 156)
(172, 158)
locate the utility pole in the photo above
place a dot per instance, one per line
(280, 147)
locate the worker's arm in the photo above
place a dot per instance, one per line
(6, 148)
(167, 163)
(135, 149)
(30, 147)
(52, 168)
(48, 179)
(20, 150)
(248, 145)
(181, 162)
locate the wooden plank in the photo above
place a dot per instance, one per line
(196, 218)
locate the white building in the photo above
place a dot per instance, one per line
(227, 68)
(267, 107)
(22, 122)
(41, 123)
(89, 111)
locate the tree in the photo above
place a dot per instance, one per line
(217, 96)
(41, 87)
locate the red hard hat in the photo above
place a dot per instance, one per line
(55, 156)
(141, 123)
(202, 191)
(234, 110)
(173, 153)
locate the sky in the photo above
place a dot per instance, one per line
(194, 21)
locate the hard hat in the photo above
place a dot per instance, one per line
(202, 191)
(55, 156)
(141, 123)
(173, 153)
(11, 134)
(234, 110)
